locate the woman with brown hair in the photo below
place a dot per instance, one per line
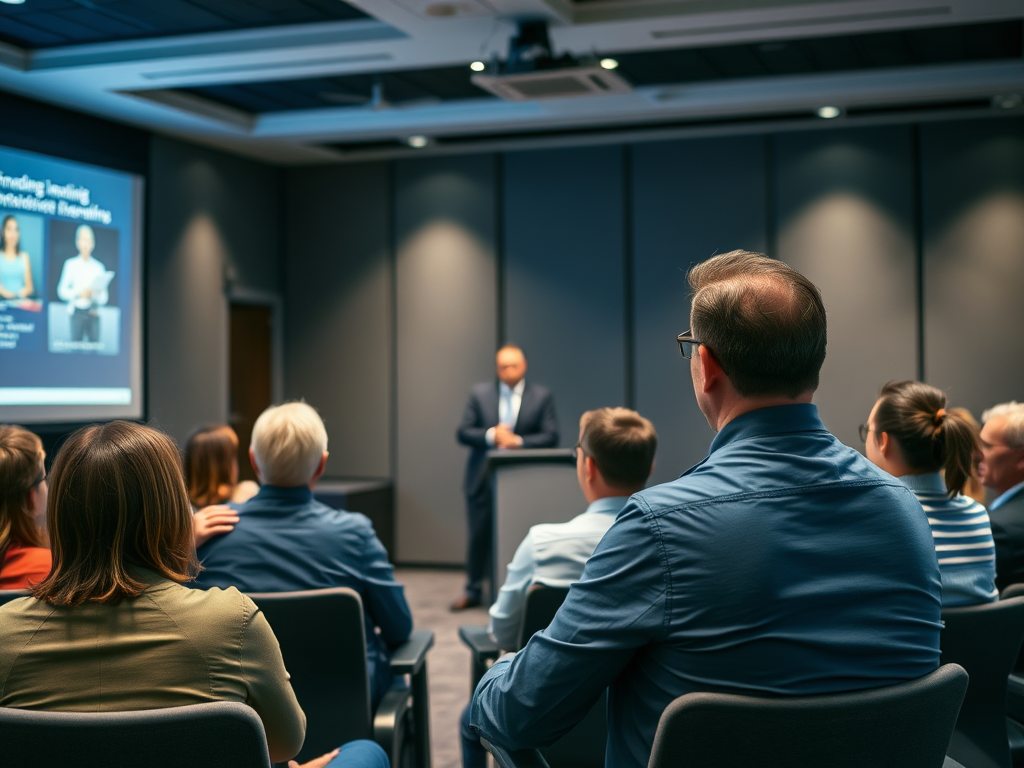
(913, 436)
(24, 554)
(111, 627)
(211, 468)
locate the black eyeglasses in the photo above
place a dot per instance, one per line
(863, 430)
(577, 450)
(687, 344)
(40, 479)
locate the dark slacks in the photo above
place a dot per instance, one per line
(85, 325)
(480, 542)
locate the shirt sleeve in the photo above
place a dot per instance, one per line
(618, 606)
(269, 689)
(384, 597)
(65, 287)
(507, 611)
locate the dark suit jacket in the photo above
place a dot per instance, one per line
(537, 424)
(1008, 533)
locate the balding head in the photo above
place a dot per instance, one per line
(763, 322)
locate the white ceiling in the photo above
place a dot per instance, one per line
(133, 82)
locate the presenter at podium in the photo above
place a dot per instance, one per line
(83, 285)
(510, 413)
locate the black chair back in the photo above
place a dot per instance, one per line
(6, 595)
(324, 648)
(985, 640)
(217, 735)
(542, 603)
(584, 745)
(898, 726)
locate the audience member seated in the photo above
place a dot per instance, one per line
(783, 563)
(111, 627)
(912, 436)
(1002, 471)
(24, 551)
(285, 540)
(614, 456)
(211, 474)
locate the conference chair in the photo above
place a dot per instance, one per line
(6, 595)
(985, 640)
(221, 734)
(899, 726)
(584, 745)
(322, 639)
(1015, 694)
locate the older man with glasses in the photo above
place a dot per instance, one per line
(1001, 470)
(783, 563)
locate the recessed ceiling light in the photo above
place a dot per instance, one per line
(417, 142)
(1007, 100)
(12, 2)
(609, 63)
(478, 66)
(829, 112)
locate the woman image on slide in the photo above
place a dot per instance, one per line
(78, 287)
(15, 270)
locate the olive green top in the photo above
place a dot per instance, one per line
(170, 647)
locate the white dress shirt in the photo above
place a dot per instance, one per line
(79, 275)
(552, 554)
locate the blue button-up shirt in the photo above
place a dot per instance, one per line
(285, 540)
(784, 563)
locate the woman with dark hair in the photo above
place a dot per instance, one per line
(111, 627)
(211, 468)
(913, 436)
(24, 554)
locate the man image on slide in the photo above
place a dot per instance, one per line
(510, 414)
(83, 285)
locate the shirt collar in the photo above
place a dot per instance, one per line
(1007, 496)
(300, 493)
(516, 390)
(609, 505)
(775, 420)
(931, 482)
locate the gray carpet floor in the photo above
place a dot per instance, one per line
(429, 592)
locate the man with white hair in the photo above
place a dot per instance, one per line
(285, 540)
(1002, 470)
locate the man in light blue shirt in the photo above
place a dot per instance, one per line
(1001, 469)
(614, 457)
(784, 563)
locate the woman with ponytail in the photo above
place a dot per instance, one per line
(913, 436)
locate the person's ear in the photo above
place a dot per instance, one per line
(590, 468)
(711, 372)
(884, 443)
(255, 467)
(320, 468)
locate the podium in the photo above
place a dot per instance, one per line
(530, 486)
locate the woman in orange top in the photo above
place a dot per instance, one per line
(24, 549)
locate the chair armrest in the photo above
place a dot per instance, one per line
(410, 655)
(520, 758)
(480, 642)
(389, 722)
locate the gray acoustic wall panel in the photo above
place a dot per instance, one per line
(691, 200)
(446, 322)
(338, 322)
(846, 220)
(564, 268)
(973, 222)
(212, 218)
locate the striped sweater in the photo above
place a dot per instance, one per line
(963, 541)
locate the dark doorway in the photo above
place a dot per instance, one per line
(250, 374)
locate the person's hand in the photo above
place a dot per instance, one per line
(24, 293)
(319, 762)
(504, 437)
(86, 294)
(212, 521)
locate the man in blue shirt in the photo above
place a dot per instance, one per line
(285, 540)
(783, 563)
